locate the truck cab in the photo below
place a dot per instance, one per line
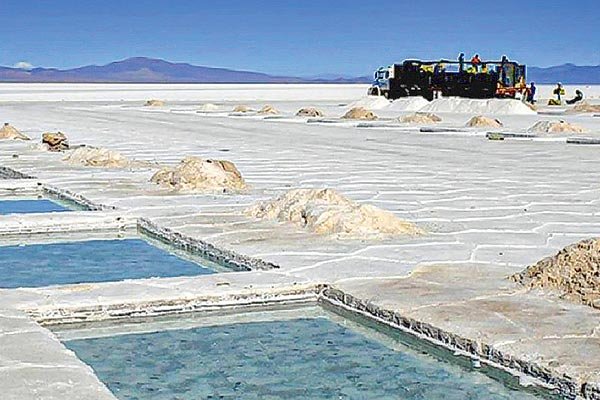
(381, 82)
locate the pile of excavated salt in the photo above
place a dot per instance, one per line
(10, 132)
(195, 174)
(555, 127)
(154, 103)
(241, 109)
(371, 103)
(360, 113)
(268, 110)
(574, 272)
(586, 107)
(97, 157)
(407, 104)
(209, 107)
(324, 211)
(309, 112)
(477, 106)
(420, 118)
(55, 141)
(481, 121)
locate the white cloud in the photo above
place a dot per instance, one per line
(23, 65)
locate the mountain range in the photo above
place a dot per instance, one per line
(150, 70)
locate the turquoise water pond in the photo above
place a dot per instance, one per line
(29, 206)
(38, 265)
(303, 358)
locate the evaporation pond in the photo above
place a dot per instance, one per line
(301, 358)
(32, 206)
(38, 265)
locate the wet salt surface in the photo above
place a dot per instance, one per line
(306, 358)
(89, 261)
(29, 206)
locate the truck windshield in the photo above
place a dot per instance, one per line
(382, 74)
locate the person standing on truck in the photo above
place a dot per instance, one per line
(461, 62)
(476, 62)
(503, 68)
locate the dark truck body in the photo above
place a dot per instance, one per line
(429, 79)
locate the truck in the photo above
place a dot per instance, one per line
(432, 79)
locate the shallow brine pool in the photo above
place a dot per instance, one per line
(36, 265)
(310, 357)
(30, 206)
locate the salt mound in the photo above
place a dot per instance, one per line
(360, 113)
(97, 157)
(309, 112)
(586, 107)
(574, 272)
(477, 106)
(408, 104)
(420, 118)
(55, 141)
(324, 211)
(371, 103)
(481, 121)
(209, 107)
(241, 109)
(10, 132)
(268, 110)
(195, 174)
(555, 127)
(154, 103)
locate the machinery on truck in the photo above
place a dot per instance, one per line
(432, 79)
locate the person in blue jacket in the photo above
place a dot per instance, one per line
(531, 93)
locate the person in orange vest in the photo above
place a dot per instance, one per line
(476, 62)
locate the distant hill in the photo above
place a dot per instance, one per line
(138, 69)
(566, 73)
(151, 70)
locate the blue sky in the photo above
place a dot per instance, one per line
(297, 37)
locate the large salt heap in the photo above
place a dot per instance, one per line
(574, 272)
(407, 104)
(325, 211)
(477, 106)
(370, 103)
(195, 174)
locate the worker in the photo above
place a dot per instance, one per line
(476, 62)
(531, 93)
(461, 62)
(578, 97)
(484, 69)
(439, 69)
(559, 91)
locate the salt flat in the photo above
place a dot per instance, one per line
(490, 207)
